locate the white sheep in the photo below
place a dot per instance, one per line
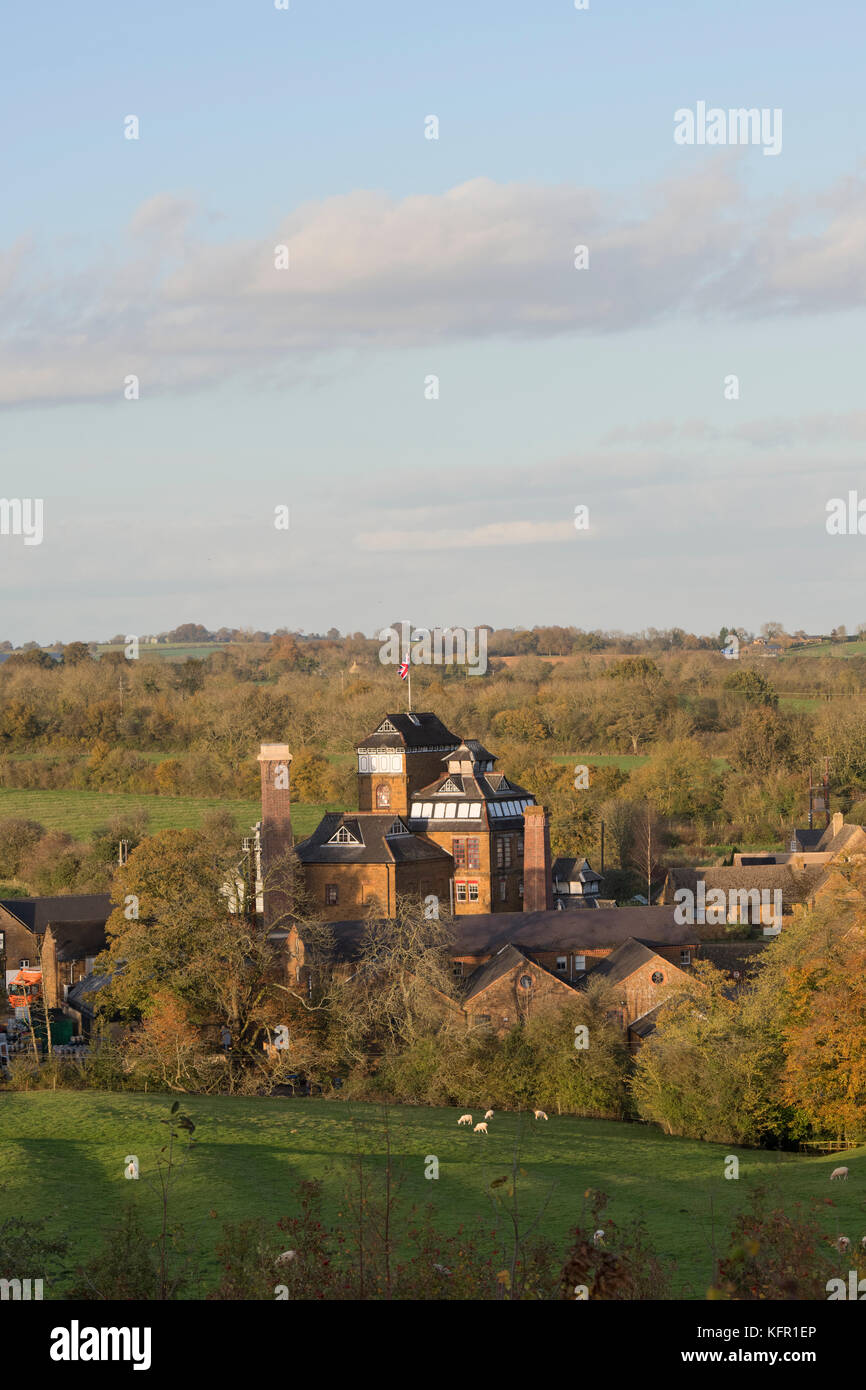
(286, 1257)
(863, 1242)
(480, 1128)
(598, 1238)
(842, 1244)
(465, 1120)
(488, 1114)
(539, 1114)
(839, 1173)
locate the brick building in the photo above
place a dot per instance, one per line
(69, 929)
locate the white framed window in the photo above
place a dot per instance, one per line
(473, 892)
(460, 890)
(475, 810)
(363, 762)
(562, 963)
(685, 957)
(416, 809)
(439, 811)
(579, 963)
(451, 810)
(427, 810)
(503, 889)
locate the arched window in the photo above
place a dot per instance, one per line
(383, 796)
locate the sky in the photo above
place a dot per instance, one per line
(283, 294)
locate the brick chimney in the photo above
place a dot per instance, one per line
(276, 828)
(537, 864)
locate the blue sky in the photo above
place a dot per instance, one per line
(412, 257)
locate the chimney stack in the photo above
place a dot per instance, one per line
(276, 829)
(537, 864)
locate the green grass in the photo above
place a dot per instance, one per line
(626, 762)
(80, 812)
(801, 703)
(837, 649)
(63, 1153)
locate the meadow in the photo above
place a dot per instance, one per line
(81, 812)
(62, 1154)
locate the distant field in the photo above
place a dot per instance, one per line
(171, 651)
(626, 762)
(80, 812)
(802, 703)
(62, 1156)
(840, 649)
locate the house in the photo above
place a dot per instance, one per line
(360, 861)
(575, 883)
(510, 988)
(642, 979)
(24, 923)
(759, 894)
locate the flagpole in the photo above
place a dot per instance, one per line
(410, 687)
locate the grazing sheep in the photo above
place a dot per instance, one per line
(465, 1120)
(286, 1257)
(539, 1114)
(839, 1173)
(440, 1269)
(863, 1242)
(598, 1238)
(842, 1244)
(488, 1114)
(480, 1128)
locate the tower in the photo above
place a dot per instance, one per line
(275, 835)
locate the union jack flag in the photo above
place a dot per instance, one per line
(404, 670)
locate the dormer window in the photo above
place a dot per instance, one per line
(397, 828)
(344, 837)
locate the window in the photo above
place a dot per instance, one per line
(427, 810)
(482, 1018)
(450, 811)
(685, 957)
(473, 892)
(460, 889)
(330, 894)
(383, 796)
(23, 964)
(475, 810)
(438, 811)
(562, 963)
(416, 810)
(458, 851)
(503, 889)
(520, 889)
(2, 941)
(520, 846)
(363, 762)
(579, 963)
(526, 982)
(473, 852)
(657, 977)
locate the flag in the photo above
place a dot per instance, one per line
(404, 670)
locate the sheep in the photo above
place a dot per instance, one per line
(839, 1173)
(842, 1244)
(598, 1238)
(480, 1128)
(863, 1243)
(539, 1114)
(488, 1114)
(286, 1257)
(465, 1120)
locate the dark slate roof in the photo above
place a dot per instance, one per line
(411, 731)
(646, 1024)
(375, 846)
(475, 787)
(507, 958)
(625, 960)
(808, 839)
(483, 932)
(77, 940)
(569, 869)
(470, 750)
(36, 913)
(79, 996)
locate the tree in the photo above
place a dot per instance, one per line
(646, 846)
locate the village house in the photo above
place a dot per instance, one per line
(66, 932)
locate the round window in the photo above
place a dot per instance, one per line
(658, 977)
(526, 982)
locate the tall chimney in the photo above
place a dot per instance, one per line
(276, 829)
(537, 864)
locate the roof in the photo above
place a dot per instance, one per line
(77, 997)
(646, 1024)
(626, 959)
(808, 839)
(37, 913)
(75, 940)
(507, 959)
(481, 933)
(795, 885)
(370, 843)
(579, 869)
(410, 731)
(465, 789)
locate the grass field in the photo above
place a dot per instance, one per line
(626, 762)
(63, 1153)
(80, 812)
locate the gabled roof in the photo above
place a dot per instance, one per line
(410, 731)
(372, 841)
(628, 958)
(578, 869)
(77, 940)
(36, 913)
(796, 885)
(507, 959)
